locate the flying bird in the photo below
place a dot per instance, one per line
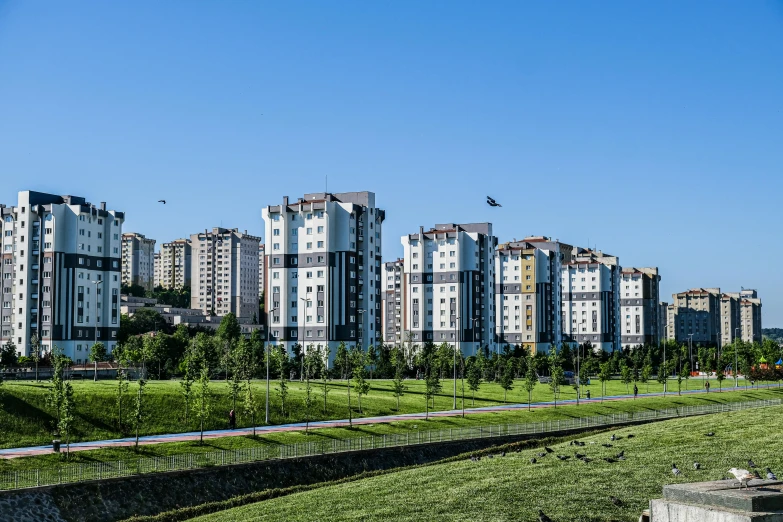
(742, 475)
(492, 203)
(542, 517)
(675, 470)
(770, 475)
(696, 465)
(162, 201)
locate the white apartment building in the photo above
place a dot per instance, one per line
(449, 286)
(591, 300)
(323, 268)
(528, 292)
(138, 264)
(174, 264)
(156, 270)
(639, 309)
(224, 272)
(61, 265)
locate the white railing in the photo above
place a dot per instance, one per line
(71, 473)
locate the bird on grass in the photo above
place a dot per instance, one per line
(491, 456)
(751, 464)
(742, 475)
(542, 517)
(162, 201)
(621, 454)
(696, 466)
(586, 459)
(610, 460)
(502, 453)
(533, 460)
(631, 435)
(549, 450)
(579, 455)
(613, 438)
(541, 454)
(616, 501)
(675, 470)
(710, 434)
(770, 475)
(606, 445)
(492, 203)
(563, 457)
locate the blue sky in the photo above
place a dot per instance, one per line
(652, 130)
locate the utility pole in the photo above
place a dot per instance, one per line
(268, 331)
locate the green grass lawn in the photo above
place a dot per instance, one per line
(524, 416)
(25, 418)
(510, 488)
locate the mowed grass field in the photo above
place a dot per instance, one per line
(511, 488)
(398, 427)
(26, 420)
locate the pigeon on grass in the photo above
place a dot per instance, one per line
(770, 475)
(675, 470)
(751, 464)
(542, 517)
(696, 466)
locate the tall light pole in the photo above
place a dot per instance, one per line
(456, 338)
(97, 321)
(301, 341)
(690, 349)
(666, 380)
(736, 359)
(268, 332)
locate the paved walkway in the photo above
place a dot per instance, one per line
(299, 426)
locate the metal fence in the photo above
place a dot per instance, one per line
(70, 473)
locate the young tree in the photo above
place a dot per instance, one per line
(249, 404)
(507, 378)
(686, 373)
(398, 385)
(35, 355)
(720, 376)
(431, 384)
(324, 355)
(186, 383)
(310, 367)
(531, 379)
(66, 417)
(97, 354)
(122, 389)
(56, 392)
(281, 361)
(139, 416)
(372, 358)
(625, 375)
(203, 400)
(646, 373)
(341, 360)
(604, 374)
(556, 373)
(474, 378)
(360, 384)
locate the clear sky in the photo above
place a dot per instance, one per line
(653, 130)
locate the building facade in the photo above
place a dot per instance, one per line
(591, 300)
(175, 264)
(61, 267)
(639, 309)
(528, 292)
(261, 270)
(695, 314)
(391, 307)
(323, 263)
(224, 273)
(138, 264)
(449, 283)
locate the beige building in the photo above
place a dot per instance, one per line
(156, 270)
(639, 293)
(174, 264)
(138, 264)
(695, 312)
(224, 272)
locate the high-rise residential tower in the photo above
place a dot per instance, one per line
(392, 302)
(639, 309)
(323, 270)
(224, 272)
(174, 264)
(61, 266)
(138, 265)
(449, 286)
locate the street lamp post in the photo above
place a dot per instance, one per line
(456, 338)
(97, 325)
(690, 350)
(302, 340)
(268, 331)
(736, 359)
(666, 380)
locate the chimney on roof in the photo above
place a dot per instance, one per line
(421, 233)
(103, 205)
(285, 201)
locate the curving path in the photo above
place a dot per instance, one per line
(12, 453)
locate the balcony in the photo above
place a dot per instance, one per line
(34, 296)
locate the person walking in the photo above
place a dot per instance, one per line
(232, 420)
(635, 391)
(707, 386)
